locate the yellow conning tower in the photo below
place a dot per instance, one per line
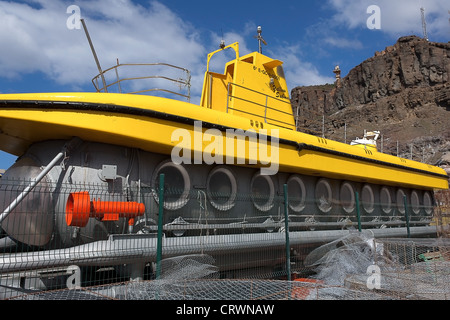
(252, 86)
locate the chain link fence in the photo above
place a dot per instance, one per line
(359, 269)
(57, 243)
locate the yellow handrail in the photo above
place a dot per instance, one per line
(234, 46)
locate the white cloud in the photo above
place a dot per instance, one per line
(37, 38)
(340, 42)
(298, 72)
(398, 18)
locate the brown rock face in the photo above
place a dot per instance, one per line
(403, 91)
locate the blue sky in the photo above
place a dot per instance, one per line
(40, 53)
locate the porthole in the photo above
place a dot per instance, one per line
(427, 203)
(385, 200)
(262, 192)
(347, 197)
(296, 193)
(400, 200)
(367, 199)
(415, 202)
(222, 188)
(176, 185)
(324, 195)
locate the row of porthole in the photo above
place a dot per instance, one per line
(221, 188)
(347, 197)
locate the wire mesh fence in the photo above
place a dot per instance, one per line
(85, 241)
(405, 270)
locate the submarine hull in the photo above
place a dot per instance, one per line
(197, 198)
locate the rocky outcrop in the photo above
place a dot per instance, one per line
(403, 91)
(411, 62)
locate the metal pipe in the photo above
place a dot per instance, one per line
(117, 76)
(95, 55)
(130, 249)
(286, 231)
(67, 147)
(160, 226)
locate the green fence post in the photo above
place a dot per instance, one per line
(160, 224)
(286, 229)
(358, 215)
(407, 217)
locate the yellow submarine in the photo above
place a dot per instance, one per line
(240, 140)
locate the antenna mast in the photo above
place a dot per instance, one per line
(424, 24)
(260, 39)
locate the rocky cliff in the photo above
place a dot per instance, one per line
(403, 91)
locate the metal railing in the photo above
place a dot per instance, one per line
(116, 81)
(266, 106)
